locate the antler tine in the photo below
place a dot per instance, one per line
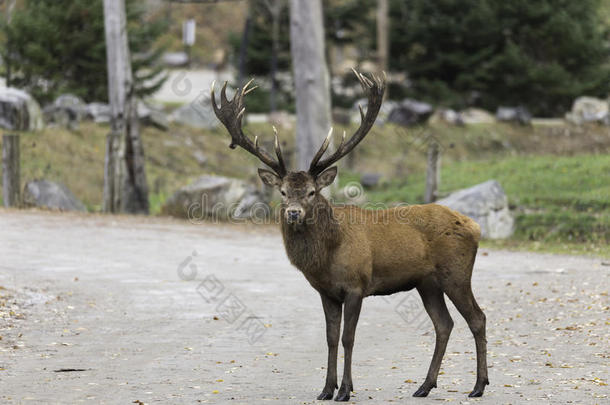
(223, 95)
(213, 97)
(321, 151)
(244, 90)
(374, 89)
(278, 149)
(231, 113)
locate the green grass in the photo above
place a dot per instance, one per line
(587, 249)
(580, 183)
(556, 199)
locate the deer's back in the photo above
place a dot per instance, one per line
(406, 244)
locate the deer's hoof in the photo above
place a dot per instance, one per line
(421, 392)
(325, 396)
(477, 392)
(342, 396)
(424, 390)
(479, 387)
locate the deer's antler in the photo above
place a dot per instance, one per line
(374, 89)
(231, 113)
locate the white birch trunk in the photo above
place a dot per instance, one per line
(311, 78)
(125, 188)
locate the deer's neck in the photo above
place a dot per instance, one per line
(310, 245)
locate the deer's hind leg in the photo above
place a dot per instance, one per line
(434, 303)
(463, 299)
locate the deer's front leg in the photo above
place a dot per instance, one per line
(332, 313)
(353, 303)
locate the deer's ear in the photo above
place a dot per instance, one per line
(269, 178)
(326, 177)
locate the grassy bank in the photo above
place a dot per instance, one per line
(558, 201)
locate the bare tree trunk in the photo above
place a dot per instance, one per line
(433, 172)
(275, 8)
(243, 46)
(7, 63)
(125, 187)
(311, 78)
(9, 10)
(383, 43)
(11, 183)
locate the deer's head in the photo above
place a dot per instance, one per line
(300, 190)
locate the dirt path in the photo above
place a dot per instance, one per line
(113, 297)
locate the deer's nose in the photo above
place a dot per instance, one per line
(293, 213)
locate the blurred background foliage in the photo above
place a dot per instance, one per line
(455, 53)
(58, 46)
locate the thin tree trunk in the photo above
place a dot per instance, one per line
(138, 201)
(8, 68)
(9, 10)
(275, 8)
(243, 47)
(383, 43)
(11, 183)
(125, 187)
(311, 78)
(432, 172)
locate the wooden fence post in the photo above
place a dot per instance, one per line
(10, 170)
(432, 171)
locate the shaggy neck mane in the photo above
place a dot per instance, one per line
(308, 244)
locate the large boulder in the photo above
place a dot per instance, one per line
(410, 112)
(446, 116)
(67, 111)
(384, 111)
(589, 109)
(175, 59)
(151, 115)
(47, 194)
(198, 114)
(370, 180)
(476, 116)
(19, 111)
(98, 112)
(217, 198)
(519, 115)
(487, 204)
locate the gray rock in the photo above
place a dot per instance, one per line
(19, 111)
(487, 204)
(447, 116)
(197, 115)
(175, 59)
(514, 114)
(98, 112)
(200, 157)
(67, 111)
(216, 198)
(252, 206)
(589, 109)
(477, 116)
(153, 116)
(410, 112)
(370, 180)
(47, 194)
(382, 117)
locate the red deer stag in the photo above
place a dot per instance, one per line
(348, 253)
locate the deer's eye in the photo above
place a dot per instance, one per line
(283, 193)
(311, 193)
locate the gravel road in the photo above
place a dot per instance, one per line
(103, 309)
